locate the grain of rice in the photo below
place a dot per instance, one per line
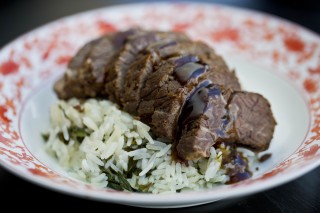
(153, 147)
(109, 150)
(81, 174)
(168, 169)
(162, 165)
(158, 172)
(172, 169)
(139, 141)
(178, 172)
(114, 167)
(185, 179)
(141, 156)
(129, 142)
(108, 163)
(99, 178)
(89, 123)
(163, 151)
(120, 144)
(124, 165)
(136, 152)
(92, 166)
(148, 166)
(95, 159)
(85, 165)
(157, 161)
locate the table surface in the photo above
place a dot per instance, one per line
(300, 195)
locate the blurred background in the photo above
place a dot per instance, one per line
(20, 16)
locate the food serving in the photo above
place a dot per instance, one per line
(270, 56)
(152, 111)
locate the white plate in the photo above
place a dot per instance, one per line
(273, 57)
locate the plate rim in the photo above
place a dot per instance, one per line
(153, 199)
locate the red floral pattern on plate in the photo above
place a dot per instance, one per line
(42, 55)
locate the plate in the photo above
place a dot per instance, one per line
(271, 56)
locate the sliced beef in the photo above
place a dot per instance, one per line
(161, 100)
(70, 85)
(246, 120)
(86, 71)
(182, 89)
(150, 57)
(253, 121)
(144, 64)
(79, 59)
(135, 80)
(122, 61)
(221, 75)
(168, 87)
(202, 122)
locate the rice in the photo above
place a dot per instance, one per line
(102, 145)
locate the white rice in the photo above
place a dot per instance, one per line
(112, 139)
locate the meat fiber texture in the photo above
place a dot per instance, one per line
(181, 88)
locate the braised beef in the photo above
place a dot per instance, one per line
(181, 88)
(202, 122)
(165, 92)
(85, 76)
(220, 74)
(135, 80)
(145, 61)
(253, 120)
(117, 70)
(243, 118)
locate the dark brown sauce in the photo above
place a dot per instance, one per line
(239, 177)
(182, 120)
(179, 61)
(193, 106)
(240, 171)
(188, 71)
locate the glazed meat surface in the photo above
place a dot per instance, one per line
(181, 88)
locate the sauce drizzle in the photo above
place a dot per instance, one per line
(188, 71)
